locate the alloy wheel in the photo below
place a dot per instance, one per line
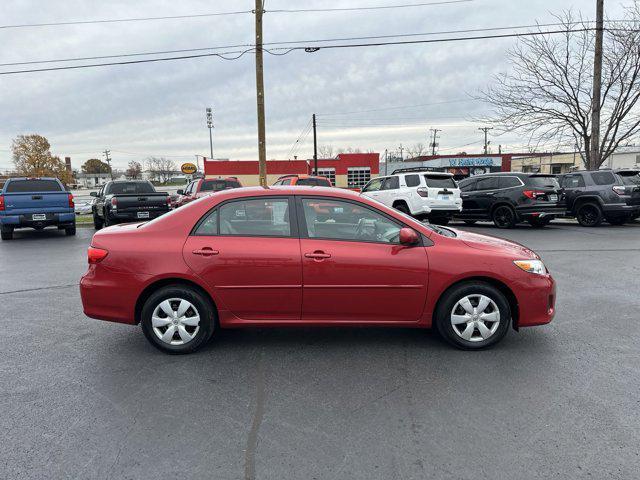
(588, 215)
(475, 318)
(503, 217)
(175, 321)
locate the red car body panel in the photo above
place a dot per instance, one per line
(262, 281)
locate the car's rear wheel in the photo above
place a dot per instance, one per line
(70, 231)
(539, 222)
(402, 207)
(178, 319)
(97, 221)
(473, 316)
(504, 216)
(440, 220)
(6, 233)
(106, 222)
(589, 215)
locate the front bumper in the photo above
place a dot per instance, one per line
(27, 221)
(536, 296)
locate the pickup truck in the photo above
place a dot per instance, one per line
(127, 201)
(35, 203)
(205, 186)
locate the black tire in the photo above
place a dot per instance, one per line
(203, 306)
(539, 222)
(402, 207)
(618, 220)
(589, 214)
(472, 289)
(70, 231)
(97, 221)
(6, 233)
(106, 221)
(470, 222)
(504, 216)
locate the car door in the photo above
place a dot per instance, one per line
(248, 251)
(468, 195)
(372, 189)
(573, 185)
(354, 269)
(485, 195)
(389, 191)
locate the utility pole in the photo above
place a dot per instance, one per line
(435, 137)
(106, 156)
(262, 149)
(401, 159)
(386, 161)
(210, 127)
(594, 155)
(315, 146)
(485, 130)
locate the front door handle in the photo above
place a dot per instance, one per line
(317, 255)
(206, 252)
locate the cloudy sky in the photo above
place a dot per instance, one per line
(397, 92)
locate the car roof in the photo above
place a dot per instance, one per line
(284, 190)
(30, 178)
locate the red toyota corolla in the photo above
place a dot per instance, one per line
(309, 256)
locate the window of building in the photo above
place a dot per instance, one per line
(603, 178)
(330, 173)
(357, 177)
(340, 220)
(556, 169)
(412, 180)
(260, 217)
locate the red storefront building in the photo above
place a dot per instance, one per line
(347, 170)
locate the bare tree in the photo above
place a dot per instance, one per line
(325, 151)
(350, 150)
(161, 168)
(134, 170)
(547, 92)
(416, 150)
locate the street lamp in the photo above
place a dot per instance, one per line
(210, 127)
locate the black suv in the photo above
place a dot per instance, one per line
(611, 195)
(511, 197)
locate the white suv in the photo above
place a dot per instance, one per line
(422, 194)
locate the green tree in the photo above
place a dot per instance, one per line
(32, 158)
(93, 165)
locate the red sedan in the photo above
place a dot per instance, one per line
(265, 257)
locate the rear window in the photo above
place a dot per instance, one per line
(603, 178)
(135, 188)
(542, 181)
(436, 181)
(18, 186)
(314, 182)
(218, 185)
(630, 178)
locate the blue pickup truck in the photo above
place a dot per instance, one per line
(35, 203)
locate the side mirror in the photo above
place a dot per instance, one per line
(180, 192)
(408, 236)
(94, 194)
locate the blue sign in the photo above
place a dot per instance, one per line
(471, 162)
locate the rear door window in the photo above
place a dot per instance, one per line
(438, 181)
(468, 185)
(35, 185)
(509, 182)
(487, 183)
(258, 217)
(544, 181)
(603, 178)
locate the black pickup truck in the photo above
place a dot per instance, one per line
(127, 201)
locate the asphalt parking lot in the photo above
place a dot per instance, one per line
(87, 399)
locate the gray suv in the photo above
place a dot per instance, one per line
(594, 196)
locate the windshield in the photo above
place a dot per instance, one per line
(437, 181)
(630, 178)
(218, 185)
(135, 188)
(542, 181)
(33, 186)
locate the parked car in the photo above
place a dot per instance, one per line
(508, 198)
(594, 196)
(121, 201)
(83, 207)
(304, 180)
(423, 194)
(35, 203)
(256, 257)
(205, 186)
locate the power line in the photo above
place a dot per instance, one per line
(380, 7)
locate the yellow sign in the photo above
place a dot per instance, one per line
(188, 168)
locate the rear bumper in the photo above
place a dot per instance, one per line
(541, 211)
(620, 208)
(132, 216)
(27, 221)
(536, 298)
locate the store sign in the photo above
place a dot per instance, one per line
(188, 168)
(471, 162)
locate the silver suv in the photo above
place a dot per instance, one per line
(423, 194)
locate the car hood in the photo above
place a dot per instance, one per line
(495, 244)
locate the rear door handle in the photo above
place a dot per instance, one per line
(317, 255)
(206, 252)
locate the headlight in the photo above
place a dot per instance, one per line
(531, 266)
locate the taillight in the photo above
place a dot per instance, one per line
(423, 192)
(619, 189)
(114, 202)
(1, 202)
(533, 193)
(71, 203)
(96, 255)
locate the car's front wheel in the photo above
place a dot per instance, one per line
(504, 217)
(473, 316)
(178, 319)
